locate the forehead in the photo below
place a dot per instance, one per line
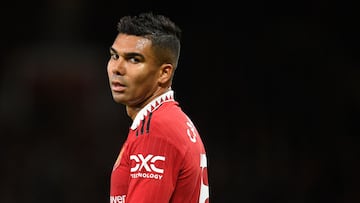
(131, 43)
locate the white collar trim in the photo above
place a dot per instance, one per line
(150, 107)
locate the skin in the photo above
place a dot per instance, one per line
(135, 75)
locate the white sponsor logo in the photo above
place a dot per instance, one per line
(149, 164)
(147, 175)
(117, 199)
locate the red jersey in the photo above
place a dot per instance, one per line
(163, 159)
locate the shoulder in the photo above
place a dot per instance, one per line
(167, 125)
(172, 123)
(169, 118)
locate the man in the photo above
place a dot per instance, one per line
(163, 158)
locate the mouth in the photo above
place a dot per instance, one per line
(117, 86)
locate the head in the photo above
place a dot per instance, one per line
(144, 57)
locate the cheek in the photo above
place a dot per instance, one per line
(140, 81)
(138, 75)
(143, 84)
(146, 78)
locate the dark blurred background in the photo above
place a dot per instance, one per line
(273, 87)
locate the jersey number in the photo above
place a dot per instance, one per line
(204, 184)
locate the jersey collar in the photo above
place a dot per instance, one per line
(150, 107)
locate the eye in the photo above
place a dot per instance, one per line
(114, 56)
(134, 60)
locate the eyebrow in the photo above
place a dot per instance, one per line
(129, 54)
(113, 50)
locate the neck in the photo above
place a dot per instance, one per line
(132, 111)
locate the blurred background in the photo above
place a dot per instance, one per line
(272, 86)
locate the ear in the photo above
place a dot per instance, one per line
(165, 73)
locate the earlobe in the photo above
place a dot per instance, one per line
(165, 73)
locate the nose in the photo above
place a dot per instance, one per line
(116, 67)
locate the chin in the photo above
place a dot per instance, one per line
(118, 99)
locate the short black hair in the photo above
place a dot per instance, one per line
(164, 34)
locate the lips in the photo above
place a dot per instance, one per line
(117, 86)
